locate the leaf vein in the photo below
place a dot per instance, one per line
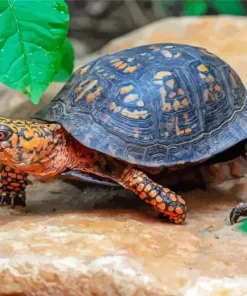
(21, 41)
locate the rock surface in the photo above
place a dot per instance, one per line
(104, 241)
(100, 241)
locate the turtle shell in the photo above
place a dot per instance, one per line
(154, 105)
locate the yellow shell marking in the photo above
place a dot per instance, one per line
(162, 74)
(135, 114)
(186, 116)
(126, 89)
(92, 96)
(130, 98)
(206, 95)
(88, 138)
(84, 70)
(202, 68)
(209, 79)
(176, 105)
(177, 128)
(185, 102)
(130, 69)
(90, 85)
(203, 76)
(114, 61)
(79, 88)
(124, 65)
(117, 64)
(140, 103)
(136, 134)
(159, 82)
(172, 95)
(166, 53)
(154, 47)
(113, 107)
(217, 87)
(170, 83)
(177, 55)
(163, 93)
(188, 130)
(167, 107)
(181, 91)
(182, 132)
(234, 82)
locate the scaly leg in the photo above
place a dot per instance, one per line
(12, 190)
(167, 202)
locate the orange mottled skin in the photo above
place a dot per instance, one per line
(28, 148)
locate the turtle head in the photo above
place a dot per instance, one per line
(24, 143)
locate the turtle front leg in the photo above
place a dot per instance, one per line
(167, 202)
(12, 190)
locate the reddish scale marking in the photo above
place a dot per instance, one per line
(13, 186)
(163, 199)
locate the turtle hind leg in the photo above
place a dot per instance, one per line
(167, 202)
(12, 191)
(238, 211)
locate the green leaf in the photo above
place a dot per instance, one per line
(233, 7)
(67, 63)
(195, 7)
(32, 34)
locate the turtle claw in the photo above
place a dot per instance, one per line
(239, 210)
(13, 199)
(171, 219)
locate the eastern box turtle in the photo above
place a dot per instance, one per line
(128, 115)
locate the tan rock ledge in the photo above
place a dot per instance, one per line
(223, 35)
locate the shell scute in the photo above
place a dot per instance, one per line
(153, 105)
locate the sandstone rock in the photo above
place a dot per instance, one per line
(224, 35)
(17, 106)
(100, 241)
(97, 240)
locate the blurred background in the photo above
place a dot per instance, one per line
(96, 22)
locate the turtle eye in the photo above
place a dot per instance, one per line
(4, 133)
